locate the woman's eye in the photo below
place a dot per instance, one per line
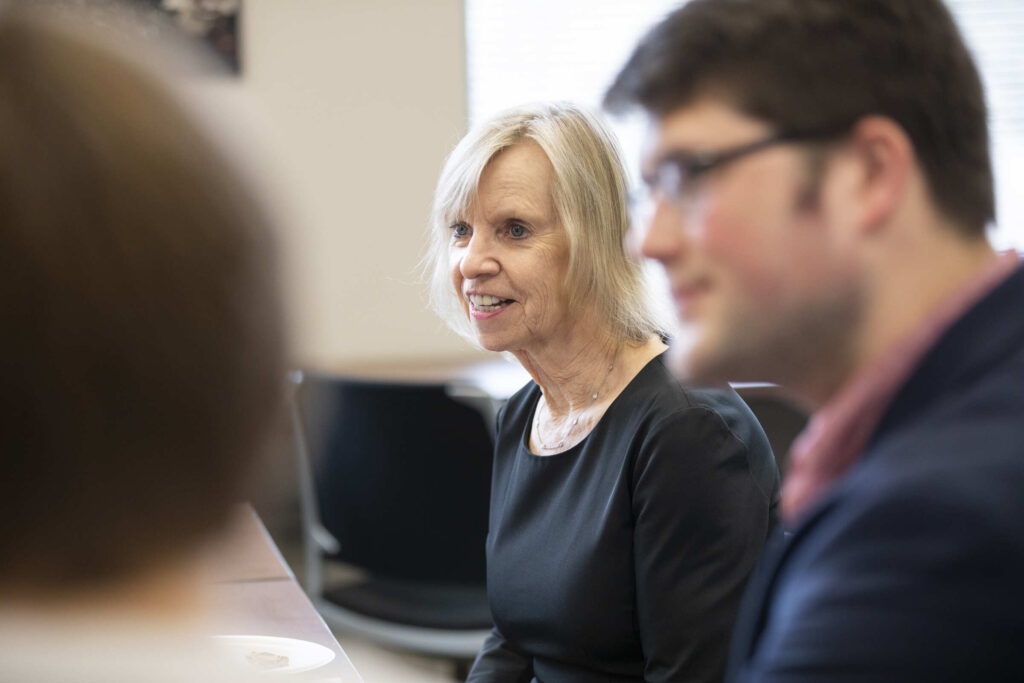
(517, 230)
(460, 230)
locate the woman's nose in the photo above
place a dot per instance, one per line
(478, 258)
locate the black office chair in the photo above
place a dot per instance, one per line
(395, 481)
(781, 418)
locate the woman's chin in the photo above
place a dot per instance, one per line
(496, 343)
(492, 345)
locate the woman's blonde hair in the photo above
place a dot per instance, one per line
(589, 195)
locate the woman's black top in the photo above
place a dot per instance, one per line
(625, 557)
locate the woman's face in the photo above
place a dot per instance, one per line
(509, 255)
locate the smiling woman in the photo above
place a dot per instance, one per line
(513, 227)
(584, 186)
(610, 478)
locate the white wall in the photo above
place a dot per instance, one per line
(364, 98)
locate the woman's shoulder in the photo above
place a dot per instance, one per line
(670, 402)
(685, 425)
(665, 393)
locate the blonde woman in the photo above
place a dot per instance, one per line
(627, 510)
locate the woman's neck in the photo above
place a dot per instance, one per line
(570, 368)
(579, 386)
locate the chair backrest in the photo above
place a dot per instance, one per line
(781, 418)
(401, 475)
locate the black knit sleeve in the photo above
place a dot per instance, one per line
(499, 662)
(700, 521)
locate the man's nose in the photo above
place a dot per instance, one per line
(665, 232)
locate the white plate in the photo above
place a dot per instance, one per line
(302, 655)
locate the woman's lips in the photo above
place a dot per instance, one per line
(478, 314)
(485, 306)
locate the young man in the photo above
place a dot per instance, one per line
(820, 186)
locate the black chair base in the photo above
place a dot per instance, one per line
(451, 607)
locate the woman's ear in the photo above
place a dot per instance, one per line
(883, 160)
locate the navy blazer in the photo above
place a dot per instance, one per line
(912, 567)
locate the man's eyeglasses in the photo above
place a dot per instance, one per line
(677, 176)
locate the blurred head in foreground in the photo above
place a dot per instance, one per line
(142, 347)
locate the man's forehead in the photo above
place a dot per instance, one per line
(704, 124)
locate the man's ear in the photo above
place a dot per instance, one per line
(883, 157)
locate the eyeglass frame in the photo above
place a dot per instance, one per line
(691, 168)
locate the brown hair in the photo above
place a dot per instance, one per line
(811, 65)
(142, 348)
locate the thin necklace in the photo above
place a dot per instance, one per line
(575, 421)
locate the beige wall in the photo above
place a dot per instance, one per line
(363, 99)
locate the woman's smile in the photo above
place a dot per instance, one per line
(482, 306)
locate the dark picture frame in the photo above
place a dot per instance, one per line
(214, 21)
